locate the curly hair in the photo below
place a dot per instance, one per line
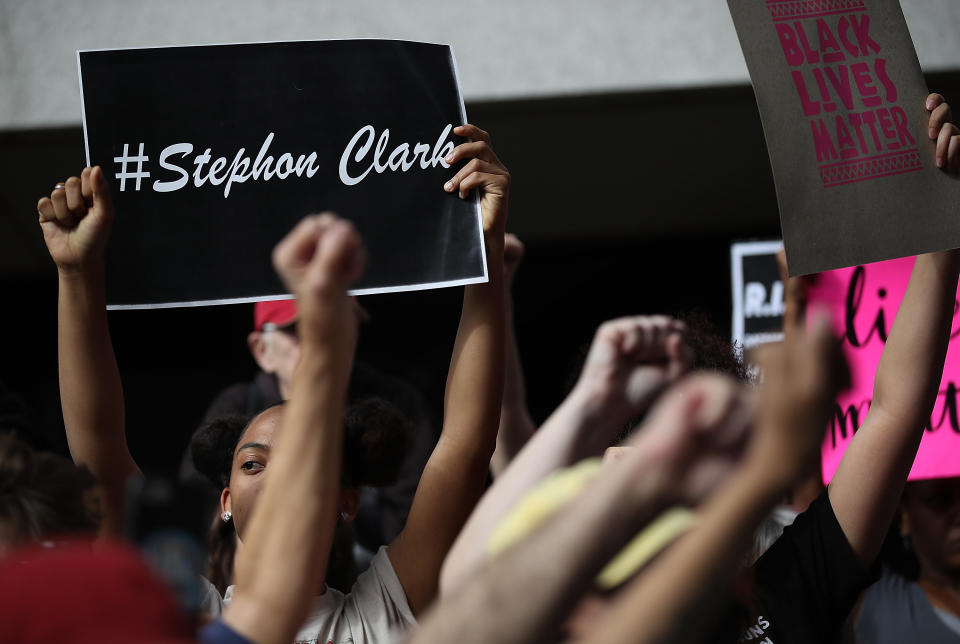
(41, 494)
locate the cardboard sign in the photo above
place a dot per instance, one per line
(842, 100)
(214, 153)
(757, 293)
(863, 302)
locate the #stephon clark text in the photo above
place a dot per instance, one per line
(359, 158)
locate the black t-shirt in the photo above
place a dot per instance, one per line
(807, 582)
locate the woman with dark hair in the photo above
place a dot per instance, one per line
(403, 576)
(376, 435)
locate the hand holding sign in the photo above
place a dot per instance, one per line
(76, 220)
(485, 172)
(944, 132)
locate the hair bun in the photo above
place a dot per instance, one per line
(212, 445)
(376, 438)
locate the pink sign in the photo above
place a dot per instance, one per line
(863, 302)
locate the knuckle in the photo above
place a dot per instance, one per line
(608, 328)
(277, 256)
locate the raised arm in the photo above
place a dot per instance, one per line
(795, 297)
(673, 599)
(288, 542)
(868, 483)
(525, 595)
(630, 361)
(516, 426)
(76, 221)
(456, 472)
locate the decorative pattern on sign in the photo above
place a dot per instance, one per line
(837, 174)
(790, 9)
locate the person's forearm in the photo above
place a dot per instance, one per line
(516, 426)
(911, 367)
(283, 561)
(560, 441)
(475, 380)
(475, 386)
(673, 600)
(869, 480)
(533, 586)
(91, 393)
(456, 473)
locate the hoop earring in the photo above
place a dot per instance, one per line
(227, 516)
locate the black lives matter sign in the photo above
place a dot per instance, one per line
(841, 96)
(214, 153)
(758, 294)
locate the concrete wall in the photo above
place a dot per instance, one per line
(506, 49)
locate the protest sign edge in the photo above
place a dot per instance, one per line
(739, 250)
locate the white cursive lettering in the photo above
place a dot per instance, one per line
(357, 153)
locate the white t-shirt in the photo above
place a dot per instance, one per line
(374, 611)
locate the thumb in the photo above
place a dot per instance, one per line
(102, 200)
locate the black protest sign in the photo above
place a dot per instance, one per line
(214, 153)
(842, 100)
(758, 302)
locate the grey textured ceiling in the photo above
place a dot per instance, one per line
(505, 48)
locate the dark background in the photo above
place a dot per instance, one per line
(627, 203)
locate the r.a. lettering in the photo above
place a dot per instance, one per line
(756, 304)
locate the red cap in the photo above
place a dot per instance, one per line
(276, 312)
(86, 593)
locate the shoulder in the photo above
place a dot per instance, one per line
(377, 605)
(894, 592)
(211, 604)
(894, 608)
(219, 633)
(814, 535)
(810, 577)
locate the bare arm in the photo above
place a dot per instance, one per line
(524, 595)
(672, 600)
(630, 361)
(76, 222)
(533, 586)
(291, 531)
(868, 483)
(456, 472)
(516, 426)
(805, 491)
